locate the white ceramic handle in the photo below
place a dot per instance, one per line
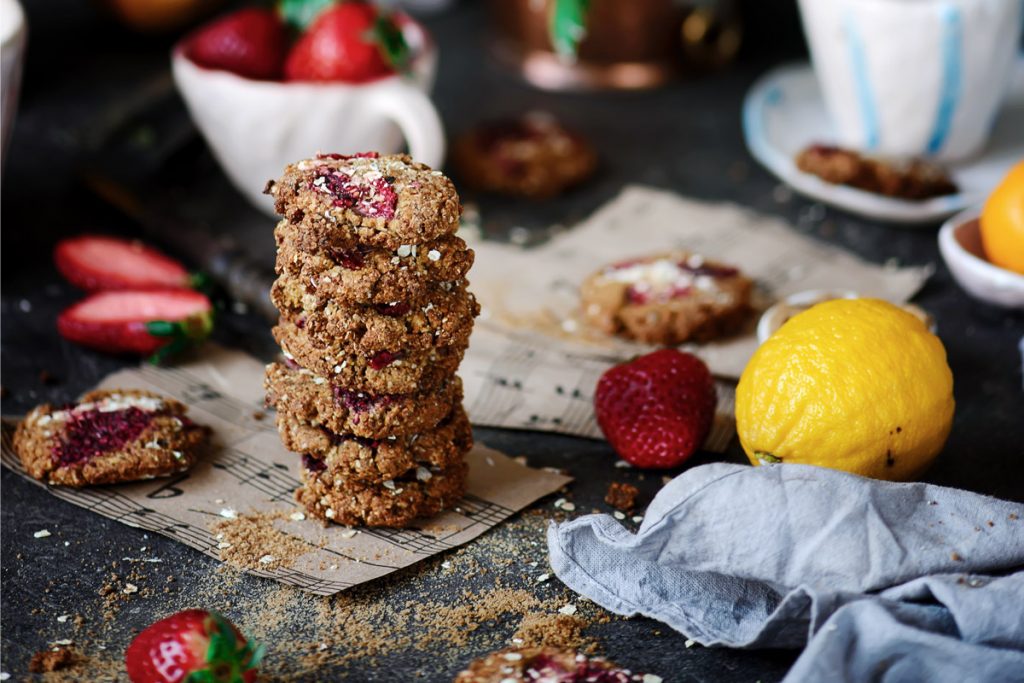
(415, 114)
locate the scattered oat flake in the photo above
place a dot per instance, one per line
(65, 641)
(568, 507)
(267, 559)
(223, 545)
(690, 642)
(512, 656)
(349, 533)
(297, 516)
(130, 588)
(42, 533)
(567, 610)
(228, 513)
(651, 678)
(446, 565)
(543, 577)
(63, 618)
(618, 515)
(321, 647)
(560, 502)
(623, 465)
(638, 519)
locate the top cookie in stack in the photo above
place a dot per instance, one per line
(375, 318)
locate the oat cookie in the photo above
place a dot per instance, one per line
(375, 201)
(912, 179)
(543, 665)
(446, 320)
(110, 436)
(394, 503)
(313, 400)
(377, 460)
(667, 299)
(533, 156)
(379, 372)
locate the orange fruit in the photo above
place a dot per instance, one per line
(1002, 222)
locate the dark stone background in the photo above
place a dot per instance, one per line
(685, 137)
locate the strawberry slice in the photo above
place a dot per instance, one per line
(97, 262)
(156, 322)
(250, 43)
(194, 646)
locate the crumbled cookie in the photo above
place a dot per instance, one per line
(533, 156)
(378, 372)
(111, 436)
(307, 398)
(912, 179)
(377, 460)
(375, 201)
(393, 503)
(56, 658)
(621, 496)
(545, 665)
(667, 299)
(446, 321)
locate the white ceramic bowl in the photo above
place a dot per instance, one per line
(772, 319)
(12, 47)
(960, 244)
(255, 128)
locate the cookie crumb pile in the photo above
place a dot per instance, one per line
(375, 319)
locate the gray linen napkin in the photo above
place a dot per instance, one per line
(879, 580)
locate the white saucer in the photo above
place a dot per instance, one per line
(783, 113)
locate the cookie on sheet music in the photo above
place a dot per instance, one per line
(386, 371)
(668, 299)
(393, 503)
(110, 436)
(375, 461)
(380, 201)
(537, 664)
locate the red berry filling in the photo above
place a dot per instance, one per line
(373, 198)
(545, 668)
(313, 463)
(382, 359)
(94, 432)
(353, 259)
(393, 310)
(359, 402)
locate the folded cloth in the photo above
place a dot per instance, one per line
(879, 580)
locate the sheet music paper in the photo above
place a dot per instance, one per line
(533, 362)
(247, 471)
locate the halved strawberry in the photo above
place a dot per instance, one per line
(98, 262)
(157, 322)
(194, 646)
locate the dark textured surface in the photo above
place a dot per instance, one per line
(686, 137)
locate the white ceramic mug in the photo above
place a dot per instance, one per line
(255, 128)
(12, 48)
(913, 77)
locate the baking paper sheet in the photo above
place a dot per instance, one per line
(533, 362)
(247, 470)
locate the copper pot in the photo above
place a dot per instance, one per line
(629, 44)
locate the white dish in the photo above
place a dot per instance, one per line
(784, 112)
(255, 128)
(960, 244)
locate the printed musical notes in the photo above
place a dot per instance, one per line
(247, 471)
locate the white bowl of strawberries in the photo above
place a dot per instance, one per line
(354, 79)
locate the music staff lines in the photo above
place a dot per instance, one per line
(269, 478)
(194, 390)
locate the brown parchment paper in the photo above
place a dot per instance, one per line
(247, 470)
(533, 362)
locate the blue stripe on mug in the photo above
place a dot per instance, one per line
(865, 99)
(952, 46)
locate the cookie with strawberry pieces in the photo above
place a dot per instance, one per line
(546, 665)
(110, 436)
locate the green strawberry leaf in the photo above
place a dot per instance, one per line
(391, 42)
(299, 14)
(568, 26)
(162, 328)
(183, 334)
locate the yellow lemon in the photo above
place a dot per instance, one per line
(852, 384)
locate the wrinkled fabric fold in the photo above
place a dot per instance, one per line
(876, 580)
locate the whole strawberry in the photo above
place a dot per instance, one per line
(656, 410)
(250, 42)
(196, 646)
(350, 42)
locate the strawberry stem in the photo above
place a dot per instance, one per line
(766, 458)
(183, 334)
(391, 42)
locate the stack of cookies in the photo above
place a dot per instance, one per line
(375, 318)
